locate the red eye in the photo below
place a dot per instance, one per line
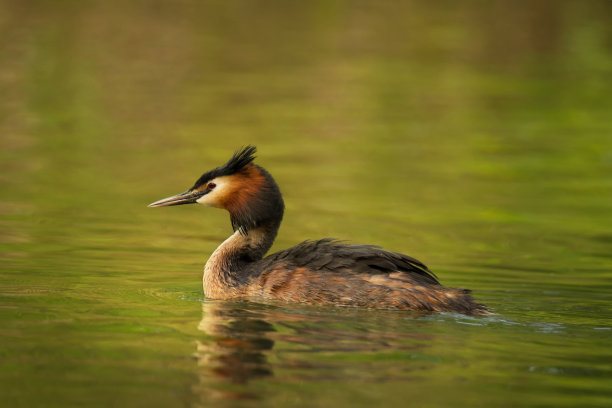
(211, 186)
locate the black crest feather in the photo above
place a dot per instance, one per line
(237, 162)
(240, 159)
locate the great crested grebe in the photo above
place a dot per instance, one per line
(324, 272)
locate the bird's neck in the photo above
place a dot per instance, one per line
(227, 270)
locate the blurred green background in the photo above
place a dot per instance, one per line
(475, 136)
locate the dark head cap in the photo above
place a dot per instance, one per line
(235, 164)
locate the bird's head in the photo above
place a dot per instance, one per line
(246, 190)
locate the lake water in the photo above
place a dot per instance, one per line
(475, 136)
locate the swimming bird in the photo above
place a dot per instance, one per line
(325, 272)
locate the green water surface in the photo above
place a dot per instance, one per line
(475, 136)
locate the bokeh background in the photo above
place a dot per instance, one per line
(475, 136)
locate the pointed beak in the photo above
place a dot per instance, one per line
(188, 197)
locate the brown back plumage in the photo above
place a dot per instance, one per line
(334, 256)
(332, 273)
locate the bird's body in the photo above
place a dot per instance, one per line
(324, 272)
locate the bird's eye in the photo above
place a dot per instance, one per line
(210, 186)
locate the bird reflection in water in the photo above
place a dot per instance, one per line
(238, 338)
(234, 351)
